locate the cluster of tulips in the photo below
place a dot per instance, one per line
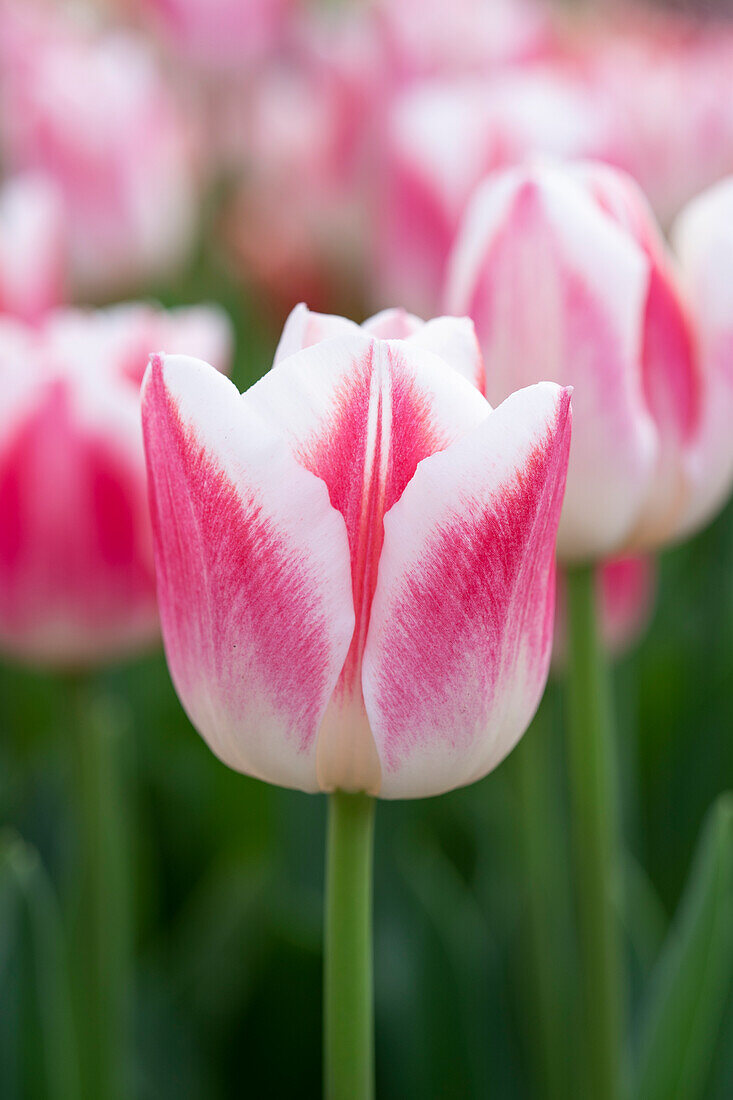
(354, 564)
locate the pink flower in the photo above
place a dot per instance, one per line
(219, 34)
(666, 82)
(76, 559)
(90, 111)
(626, 598)
(568, 278)
(355, 562)
(440, 140)
(460, 37)
(703, 239)
(32, 247)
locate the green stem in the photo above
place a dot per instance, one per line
(546, 909)
(348, 994)
(103, 952)
(595, 834)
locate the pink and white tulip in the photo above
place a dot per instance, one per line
(440, 140)
(703, 240)
(77, 580)
(32, 247)
(90, 110)
(567, 277)
(355, 561)
(218, 34)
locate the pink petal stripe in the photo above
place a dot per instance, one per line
(253, 574)
(361, 414)
(461, 627)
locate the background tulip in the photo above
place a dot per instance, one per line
(611, 317)
(32, 247)
(128, 189)
(288, 497)
(76, 564)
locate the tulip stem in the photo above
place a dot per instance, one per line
(348, 993)
(592, 769)
(103, 926)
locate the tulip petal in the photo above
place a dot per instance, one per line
(304, 328)
(703, 239)
(461, 628)
(253, 575)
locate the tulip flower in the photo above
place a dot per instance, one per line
(609, 316)
(703, 241)
(664, 80)
(355, 578)
(32, 247)
(76, 562)
(567, 277)
(440, 139)
(128, 187)
(219, 34)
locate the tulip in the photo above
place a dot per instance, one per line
(440, 139)
(567, 277)
(703, 241)
(32, 248)
(610, 316)
(222, 34)
(665, 82)
(466, 36)
(77, 581)
(128, 187)
(77, 586)
(355, 577)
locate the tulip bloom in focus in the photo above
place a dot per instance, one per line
(355, 559)
(76, 561)
(32, 247)
(567, 277)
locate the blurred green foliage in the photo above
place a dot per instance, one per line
(228, 872)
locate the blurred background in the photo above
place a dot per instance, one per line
(255, 154)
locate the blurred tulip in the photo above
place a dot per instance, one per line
(76, 562)
(464, 36)
(665, 80)
(32, 248)
(296, 143)
(703, 240)
(625, 602)
(441, 138)
(218, 34)
(354, 561)
(90, 110)
(567, 277)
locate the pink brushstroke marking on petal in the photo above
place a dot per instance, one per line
(488, 542)
(227, 579)
(459, 642)
(382, 428)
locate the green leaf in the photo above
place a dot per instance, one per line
(687, 995)
(19, 863)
